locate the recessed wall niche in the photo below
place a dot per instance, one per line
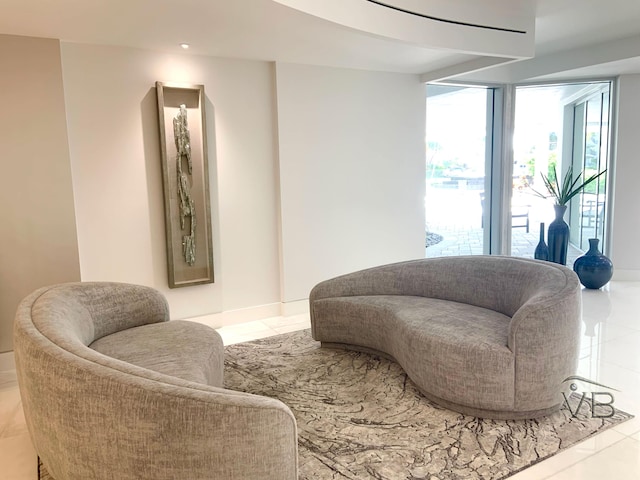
(183, 145)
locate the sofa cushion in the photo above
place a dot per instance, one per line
(450, 321)
(179, 348)
(450, 349)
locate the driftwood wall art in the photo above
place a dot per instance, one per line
(183, 143)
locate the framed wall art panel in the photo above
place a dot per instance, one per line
(187, 210)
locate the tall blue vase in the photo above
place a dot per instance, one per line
(593, 268)
(558, 237)
(542, 251)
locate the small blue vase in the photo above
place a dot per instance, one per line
(593, 268)
(558, 237)
(542, 251)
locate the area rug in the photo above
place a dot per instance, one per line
(360, 417)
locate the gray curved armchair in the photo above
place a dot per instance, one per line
(112, 389)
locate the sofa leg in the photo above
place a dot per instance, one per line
(39, 465)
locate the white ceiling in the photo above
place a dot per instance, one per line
(266, 30)
(570, 24)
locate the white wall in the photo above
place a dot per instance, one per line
(352, 171)
(352, 156)
(626, 222)
(115, 160)
(38, 243)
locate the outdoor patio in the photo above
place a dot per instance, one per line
(468, 241)
(454, 213)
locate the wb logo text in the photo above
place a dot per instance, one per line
(600, 403)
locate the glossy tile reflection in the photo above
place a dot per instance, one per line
(610, 343)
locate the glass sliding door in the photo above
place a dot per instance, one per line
(559, 126)
(590, 154)
(459, 122)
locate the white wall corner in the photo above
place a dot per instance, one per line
(626, 275)
(7, 362)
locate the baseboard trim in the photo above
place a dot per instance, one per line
(260, 312)
(241, 315)
(7, 362)
(294, 308)
(626, 275)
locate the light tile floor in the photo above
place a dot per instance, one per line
(609, 355)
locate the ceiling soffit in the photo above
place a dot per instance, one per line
(491, 28)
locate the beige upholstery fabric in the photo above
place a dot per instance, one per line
(94, 416)
(187, 350)
(486, 335)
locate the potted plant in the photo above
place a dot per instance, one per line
(558, 233)
(568, 190)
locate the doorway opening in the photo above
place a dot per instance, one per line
(458, 166)
(561, 127)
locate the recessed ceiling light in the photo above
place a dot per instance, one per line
(184, 45)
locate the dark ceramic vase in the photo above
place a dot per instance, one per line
(558, 237)
(593, 268)
(542, 251)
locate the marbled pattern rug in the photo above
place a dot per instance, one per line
(360, 417)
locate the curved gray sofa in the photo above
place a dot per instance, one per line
(113, 390)
(487, 336)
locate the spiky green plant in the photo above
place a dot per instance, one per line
(569, 188)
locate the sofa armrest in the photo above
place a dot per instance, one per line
(544, 336)
(381, 280)
(92, 310)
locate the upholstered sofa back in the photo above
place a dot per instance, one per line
(85, 312)
(502, 284)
